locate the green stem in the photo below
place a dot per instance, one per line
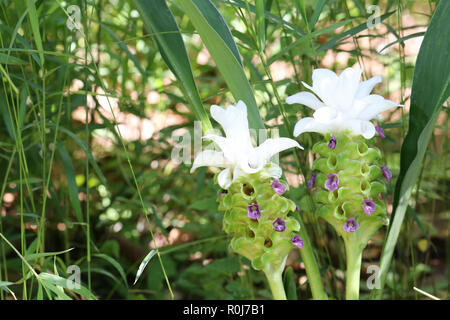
(311, 267)
(354, 255)
(276, 284)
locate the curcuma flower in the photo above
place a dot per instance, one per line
(349, 174)
(256, 212)
(238, 156)
(345, 103)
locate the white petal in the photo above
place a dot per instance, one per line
(209, 158)
(232, 119)
(271, 147)
(361, 127)
(227, 147)
(366, 87)
(306, 98)
(346, 88)
(375, 104)
(310, 125)
(271, 171)
(325, 114)
(224, 178)
(324, 82)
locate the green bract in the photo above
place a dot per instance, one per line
(360, 177)
(256, 239)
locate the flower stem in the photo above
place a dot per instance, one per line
(276, 284)
(312, 269)
(354, 255)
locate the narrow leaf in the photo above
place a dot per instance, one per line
(159, 20)
(143, 264)
(226, 62)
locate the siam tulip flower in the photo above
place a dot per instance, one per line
(256, 213)
(369, 206)
(238, 156)
(312, 181)
(278, 187)
(351, 225)
(349, 171)
(345, 103)
(298, 242)
(380, 132)
(386, 173)
(279, 225)
(332, 143)
(332, 182)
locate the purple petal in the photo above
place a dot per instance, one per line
(386, 173)
(298, 242)
(332, 143)
(312, 181)
(380, 132)
(351, 225)
(369, 206)
(222, 192)
(278, 187)
(332, 182)
(279, 225)
(253, 211)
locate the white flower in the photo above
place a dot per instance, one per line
(237, 155)
(346, 103)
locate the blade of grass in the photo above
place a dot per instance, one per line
(158, 18)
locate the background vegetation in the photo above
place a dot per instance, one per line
(90, 116)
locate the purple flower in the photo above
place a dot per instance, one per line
(380, 132)
(312, 181)
(253, 211)
(297, 241)
(332, 182)
(386, 173)
(351, 225)
(278, 187)
(297, 208)
(332, 143)
(369, 206)
(279, 225)
(223, 192)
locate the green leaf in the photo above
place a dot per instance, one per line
(45, 254)
(88, 153)
(5, 284)
(430, 89)
(289, 284)
(52, 281)
(345, 35)
(71, 181)
(114, 263)
(158, 19)
(7, 59)
(317, 11)
(260, 23)
(201, 13)
(414, 35)
(124, 47)
(143, 264)
(34, 21)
